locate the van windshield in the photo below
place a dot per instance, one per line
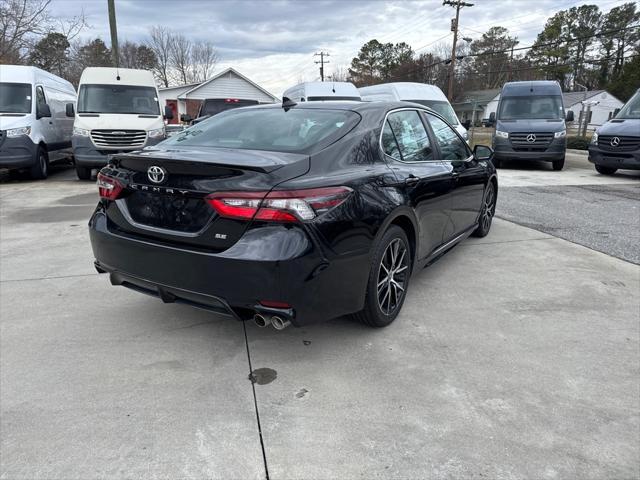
(15, 98)
(118, 99)
(441, 107)
(548, 107)
(631, 109)
(273, 129)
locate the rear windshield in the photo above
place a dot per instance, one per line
(213, 107)
(118, 99)
(322, 99)
(441, 107)
(538, 107)
(273, 129)
(15, 98)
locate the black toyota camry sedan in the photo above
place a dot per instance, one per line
(291, 214)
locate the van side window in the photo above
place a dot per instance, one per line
(452, 147)
(40, 99)
(411, 136)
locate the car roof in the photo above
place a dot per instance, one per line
(354, 106)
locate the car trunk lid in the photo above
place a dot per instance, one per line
(164, 191)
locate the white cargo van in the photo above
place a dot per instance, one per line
(322, 91)
(34, 129)
(118, 111)
(422, 93)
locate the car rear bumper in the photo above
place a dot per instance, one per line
(236, 280)
(504, 151)
(624, 160)
(17, 152)
(86, 154)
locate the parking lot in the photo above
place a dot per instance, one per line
(536, 377)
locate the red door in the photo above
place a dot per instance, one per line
(173, 105)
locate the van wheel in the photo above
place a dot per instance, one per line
(388, 279)
(84, 173)
(605, 170)
(558, 164)
(41, 168)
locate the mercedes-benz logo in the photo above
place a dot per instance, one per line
(531, 138)
(615, 141)
(156, 174)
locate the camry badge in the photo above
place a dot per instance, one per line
(156, 174)
(615, 141)
(531, 138)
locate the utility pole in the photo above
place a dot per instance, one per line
(114, 33)
(322, 62)
(458, 4)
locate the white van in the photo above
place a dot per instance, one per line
(118, 111)
(422, 93)
(322, 91)
(34, 129)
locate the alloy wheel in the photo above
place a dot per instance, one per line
(392, 276)
(488, 208)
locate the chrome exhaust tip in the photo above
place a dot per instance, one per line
(278, 323)
(261, 320)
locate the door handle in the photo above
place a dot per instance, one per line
(411, 180)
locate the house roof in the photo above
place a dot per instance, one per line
(176, 87)
(480, 97)
(200, 85)
(571, 98)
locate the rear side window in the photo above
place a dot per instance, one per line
(406, 131)
(452, 147)
(296, 130)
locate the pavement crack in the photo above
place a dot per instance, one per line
(55, 277)
(255, 401)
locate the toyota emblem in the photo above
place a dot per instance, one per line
(531, 138)
(156, 174)
(615, 141)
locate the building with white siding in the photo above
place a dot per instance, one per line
(186, 99)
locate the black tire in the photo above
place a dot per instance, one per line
(40, 170)
(488, 211)
(606, 170)
(558, 164)
(384, 298)
(84, 173)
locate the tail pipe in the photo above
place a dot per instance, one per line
(261, 320)
(279, 323)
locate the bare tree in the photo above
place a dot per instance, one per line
(70, 27)
(160, 42)
(340, 74)
(181, 58)
(20, 22)
(203, 60)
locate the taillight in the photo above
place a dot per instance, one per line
(108, 187)
(280, 205)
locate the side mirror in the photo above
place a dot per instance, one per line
(482, 152)
(70, 110)
(616, 111)
(492, 118)
(570, 116)
(186, 118)
(168, 113)
(42, 111)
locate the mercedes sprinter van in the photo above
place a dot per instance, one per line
(34, 129)
(616, 144)
(322, 91)
(530, 123)
(118, 111)
(422, 93)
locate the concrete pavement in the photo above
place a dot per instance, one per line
(516, 356)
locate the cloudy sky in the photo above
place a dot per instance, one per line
(273, 42)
